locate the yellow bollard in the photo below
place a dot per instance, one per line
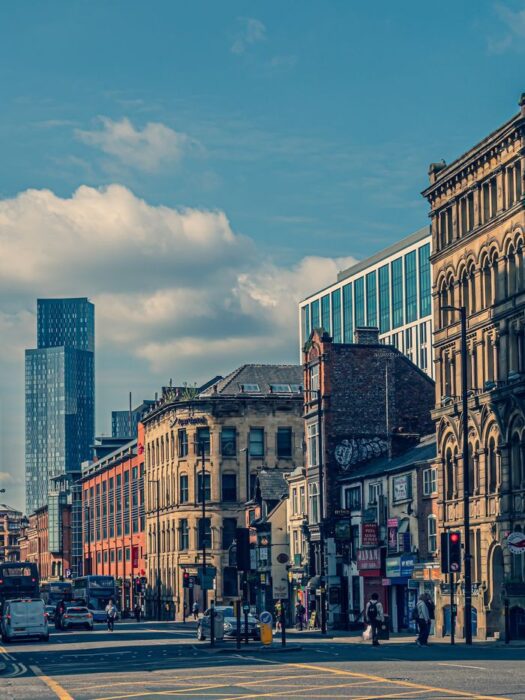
(266, 627)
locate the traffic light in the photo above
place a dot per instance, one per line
(450, 552)
(186, 579)
(138, 585)
(242, 538)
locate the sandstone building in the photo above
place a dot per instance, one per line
(477, 219)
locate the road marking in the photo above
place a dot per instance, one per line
(406, 684)
(477, 668)
(59, 691)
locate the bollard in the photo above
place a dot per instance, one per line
(507, 621)
(212, 624)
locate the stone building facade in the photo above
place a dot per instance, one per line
(477, 217)
(249, 420)
(10, 526)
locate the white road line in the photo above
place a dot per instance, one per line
(477, 668)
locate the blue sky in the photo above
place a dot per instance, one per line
(236, 139)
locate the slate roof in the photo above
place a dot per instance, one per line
(261, 375)
(272, 484)
(424, 451)
(4, 508)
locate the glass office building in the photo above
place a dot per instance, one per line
(390, 290)
(60, 395)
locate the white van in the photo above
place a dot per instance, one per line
(24, 617)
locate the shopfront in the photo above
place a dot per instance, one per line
(369, 567)
(402, 596)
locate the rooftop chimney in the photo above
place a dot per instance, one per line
(367, 336)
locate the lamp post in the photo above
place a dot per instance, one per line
(466, 476)
(322, 559)
(157, 483)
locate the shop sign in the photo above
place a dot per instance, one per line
(369, 535)
(369, 562)
(516, 542)
(386, 582)
(402, 487)
(370, 515)
(392, 527)
(400, 567)
(280, 589)
(342, 513)
(343, 530)
(199, 420)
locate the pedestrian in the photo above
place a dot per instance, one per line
(374, 616)
(195, 610)
(59, 612)
(423, 621)
(431, 610)
(138, 611)
(278, 611)
(299, 616)
(111, 615)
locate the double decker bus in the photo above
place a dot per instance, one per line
(95, 591)
(53, 592)
(18, 579)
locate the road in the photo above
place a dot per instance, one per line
(152, 660)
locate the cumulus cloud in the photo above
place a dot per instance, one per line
(251, 31)
(513, 23)
(149, 149)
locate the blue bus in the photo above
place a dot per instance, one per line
(53, 592)
(95, 592)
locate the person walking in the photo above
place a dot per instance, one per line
(138, 611)
(195, 610)
(111, 615)
(299, 616)
(374, 616)
(423, 621)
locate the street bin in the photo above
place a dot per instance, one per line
(218, 625)
(384, 628)
(266, 627)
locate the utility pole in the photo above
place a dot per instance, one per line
(203, 527)
(466, 476)
(158, 586)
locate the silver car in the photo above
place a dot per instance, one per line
(77, 616)
(230, 624)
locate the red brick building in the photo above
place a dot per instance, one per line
(113, 518)
(34, 544)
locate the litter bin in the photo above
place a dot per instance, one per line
(218, 625)
(266, 627)
(384, 628)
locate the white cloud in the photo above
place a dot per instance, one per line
(149, 149)
(177, 293)
(513, 22)
(252, 31)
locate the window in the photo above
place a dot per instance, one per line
(384, 299)
(429, 481)
(229, 487)
(316, 320)
(183, 488)
(336, 315)
(302, 500)
(294, 500)
(374, 491)
(371, 299)
(228, 442)
(348, 316)
(229, 525)
(359, 302)
(314, 377)
(313, 497)
(284, 442)
(184, 535)
(203, 441)
(425, 284)
(280, 388)
(410, 287)
(353, 498)
(325, 313)
(119, 555)
(207, 487)
(256, 447)
(313, 437)
(204, 532)
(183, 442)
(397, 293)
(296, 553)
(432, 533)
(305, 322)
(127, 554)
(250, 388)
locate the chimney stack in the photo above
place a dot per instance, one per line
(367, 336)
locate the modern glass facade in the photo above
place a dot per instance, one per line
(392, 291)
(60, 396)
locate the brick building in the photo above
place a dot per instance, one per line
(363, 400)
(35, 543)
(114, 518)
(10, 524)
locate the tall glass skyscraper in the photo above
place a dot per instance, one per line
(60, 395)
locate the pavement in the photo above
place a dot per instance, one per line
(151, 660)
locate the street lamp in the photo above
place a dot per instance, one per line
(322, 561)
(466, 476)
(157, 482)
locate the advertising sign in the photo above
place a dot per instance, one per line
(280, 589)
(401, 487)
(392, 525)
(516, 542)
(134, 557)
(370, 515)
(343, 530)
(369, 562)
(400, 567)
(369, 535)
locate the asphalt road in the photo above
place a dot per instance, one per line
(154, 660)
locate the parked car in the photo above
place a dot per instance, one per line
(230, 624)
(22, 618)
(50, 612)
(77, 616)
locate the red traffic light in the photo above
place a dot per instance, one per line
(454, 536)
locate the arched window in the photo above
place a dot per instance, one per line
(515, 461)
(492, 466)
(471, 470)
(494, 276)
(486, 274)
(465, 289)
(449, 474)
(511, 272)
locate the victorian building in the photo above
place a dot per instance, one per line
(209, 444)
(477, 218)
